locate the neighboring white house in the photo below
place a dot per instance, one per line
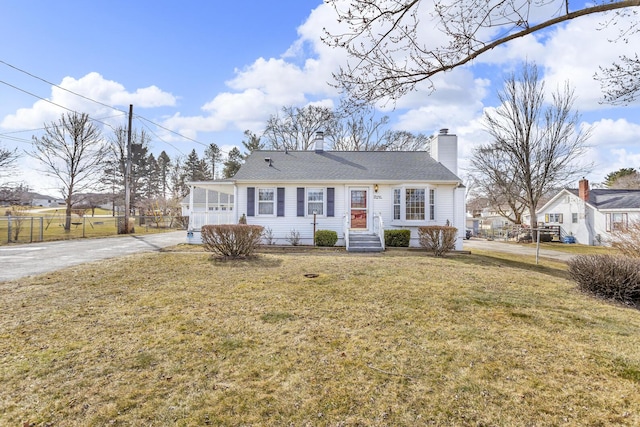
(45, 201)
(591, 214)
(355, 193)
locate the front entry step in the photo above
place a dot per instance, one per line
(364, 243)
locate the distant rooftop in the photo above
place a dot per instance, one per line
(605, 198)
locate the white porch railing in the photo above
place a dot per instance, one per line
(378, 228)
(345, 229)
(198, 219)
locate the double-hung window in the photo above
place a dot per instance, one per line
(266, 201)
(553, 217)
(432, 204)
(397, 195)
(617, 221)
(315, 201)
(414, 204)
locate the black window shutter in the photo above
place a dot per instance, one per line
(300, 201)
(330, 201)
(280, 201)
(251, 201)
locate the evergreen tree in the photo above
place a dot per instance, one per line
(194, 168)
(251, 144)
(213, 156)
(233, 163)
(164, 167)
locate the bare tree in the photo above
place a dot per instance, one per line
(359, 130)
(7, 160)
(116, 158)
(17, 194)
(401, 140)
(394, 49)
(296, 127)
(536, 146)
(494, 178)
(71, 150)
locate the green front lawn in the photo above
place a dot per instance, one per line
(399, 338)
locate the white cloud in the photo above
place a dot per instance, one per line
(299, 77)
(92, 86)
(613, 146)
(570, 52)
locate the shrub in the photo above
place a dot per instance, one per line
(437, 238)
(267, 235)
(397, 238)
(627, 241)
(293, 237)
(608, 276)
(326, 238)
(231, 240)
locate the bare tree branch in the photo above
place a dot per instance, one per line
(535, 147)
(72, 151)
(393, 50)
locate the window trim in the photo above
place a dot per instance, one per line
(553, 218)
(397, 197)
(611, 224)
(264, 202)
(429, 204)
(307, 192)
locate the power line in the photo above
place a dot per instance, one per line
(88, 99)
(156, 135)
(51, 102)
(60, 87)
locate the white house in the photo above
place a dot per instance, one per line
(358, 194)
(591, 214)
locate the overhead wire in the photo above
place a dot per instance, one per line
(95, 101)
(51, 102)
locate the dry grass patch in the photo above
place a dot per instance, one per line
(392, 339)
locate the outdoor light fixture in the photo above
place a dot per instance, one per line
(375, 187)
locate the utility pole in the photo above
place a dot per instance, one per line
(127, 176)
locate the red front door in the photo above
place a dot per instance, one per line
(358, 209)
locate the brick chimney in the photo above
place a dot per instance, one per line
(583, 189)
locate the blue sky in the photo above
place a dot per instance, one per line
(210, 70)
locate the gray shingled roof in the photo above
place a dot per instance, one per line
(343, 166)
(602, 198)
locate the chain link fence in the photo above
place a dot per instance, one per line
(28, 229)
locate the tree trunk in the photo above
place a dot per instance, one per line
(67, 221)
